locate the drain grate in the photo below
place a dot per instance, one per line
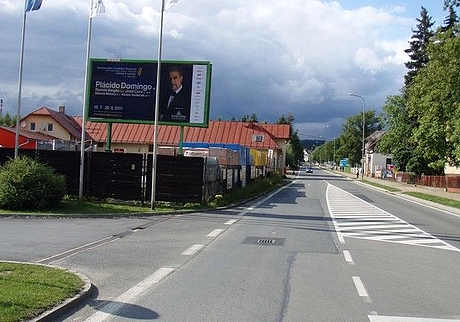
(264, 241)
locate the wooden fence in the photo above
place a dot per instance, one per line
(128, 176)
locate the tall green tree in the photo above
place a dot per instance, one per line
(398, 139)
(451, 20)
(434, 98)
(417, 50)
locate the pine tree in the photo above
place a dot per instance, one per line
(451, 20)
(417, 51)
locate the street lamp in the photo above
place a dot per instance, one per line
(364, 120)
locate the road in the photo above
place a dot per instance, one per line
(323, 248)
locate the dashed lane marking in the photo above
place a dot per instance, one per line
(130, 296)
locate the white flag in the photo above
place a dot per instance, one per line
(97, 7)
(169, 4)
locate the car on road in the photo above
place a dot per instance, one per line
(309, 169)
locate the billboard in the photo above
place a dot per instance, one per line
(124, 91)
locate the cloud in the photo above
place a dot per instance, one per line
(270, 58)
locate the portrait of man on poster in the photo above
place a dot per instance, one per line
(175, 105)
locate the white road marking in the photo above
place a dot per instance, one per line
(116, 305)
(348, 257)
(192, 250)
(231, 222)
(361, 289)
(215, 232)
(377, 318)
(78, 250)
(357, 218)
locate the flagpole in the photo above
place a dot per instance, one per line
(157, 104)
(21, 64)
(83, 118)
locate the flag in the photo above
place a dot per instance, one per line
(97, 7)
(33, 5)
(170, 3)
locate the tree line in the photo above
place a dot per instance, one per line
(422, 123)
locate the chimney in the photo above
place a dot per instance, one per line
(62, 109)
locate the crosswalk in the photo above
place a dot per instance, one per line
(356, 218)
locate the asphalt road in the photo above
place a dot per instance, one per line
(323, 248)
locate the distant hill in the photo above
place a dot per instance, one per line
(311, 144)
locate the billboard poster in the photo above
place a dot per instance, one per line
(124, 91)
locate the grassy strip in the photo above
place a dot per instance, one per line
(28, 290)
(392, 189)
(439, 200)
(255, 189)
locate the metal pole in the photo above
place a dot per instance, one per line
(157, 106)
(363, 125)
(21, 64)
(83, 118)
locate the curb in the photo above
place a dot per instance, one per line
(67, 304)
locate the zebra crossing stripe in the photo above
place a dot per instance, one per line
(356, 218)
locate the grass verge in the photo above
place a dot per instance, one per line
(439, 200)
(392, 189)
(28, 290)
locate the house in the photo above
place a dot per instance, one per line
(54, 123)
(267, 141)
(376, 164)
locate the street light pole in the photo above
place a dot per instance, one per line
(364, 122)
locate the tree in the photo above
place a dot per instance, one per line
(451, 3)
(350, 142)
(250, 118)
(434, 99)
(7, 120)
(451, 20)
(398, 139)
(417, 50)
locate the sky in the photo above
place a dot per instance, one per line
(269, 58)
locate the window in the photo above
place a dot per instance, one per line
(50, 127)
(32, 126)
(257, 138)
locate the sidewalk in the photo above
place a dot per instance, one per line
(404, 187)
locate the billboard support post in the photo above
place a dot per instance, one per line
(157, 103)
(181, 140)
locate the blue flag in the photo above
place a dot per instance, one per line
(33, 5)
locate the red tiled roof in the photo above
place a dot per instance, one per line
(225, 132)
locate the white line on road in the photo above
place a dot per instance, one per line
(215, 232)
(348, 257)
(376, 318)
(129, 296)
(361, 289)
(193, 249)
(231, 222)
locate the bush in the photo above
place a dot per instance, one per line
(26, 184)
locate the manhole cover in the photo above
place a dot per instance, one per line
(269, 241)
